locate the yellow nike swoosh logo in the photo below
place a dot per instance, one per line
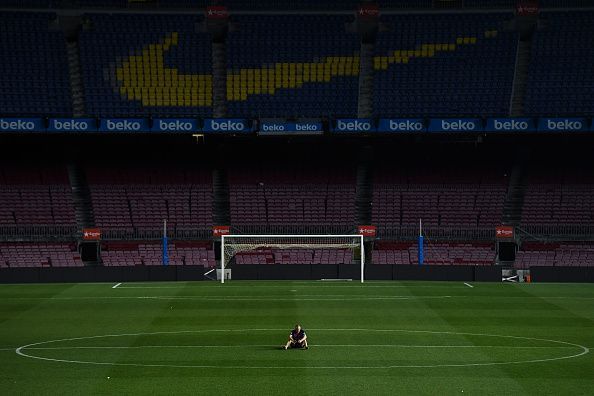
(147, 79)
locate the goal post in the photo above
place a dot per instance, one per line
(309, 248)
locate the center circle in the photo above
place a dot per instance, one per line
(329, 349)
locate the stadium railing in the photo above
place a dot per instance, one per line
(38, 233)
(556, 232)
(286, 229)
(437, 233)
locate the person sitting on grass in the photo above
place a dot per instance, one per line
(297, 338)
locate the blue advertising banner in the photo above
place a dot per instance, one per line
(124, 125)
(510, 125)
(72, 125)
(401, 125)
(21, 125)
(227, 125)
(175, 125)
(455, 125)
(353, 125)
(562, 125)
(282, 127)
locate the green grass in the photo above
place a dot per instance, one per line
(378, 338)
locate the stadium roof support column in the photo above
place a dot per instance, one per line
(514, 200)
(71, 25)
(367, 27)
(218, 28)
(81, 196)
(364, 195)
(525, 25)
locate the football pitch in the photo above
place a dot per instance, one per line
(379, 338)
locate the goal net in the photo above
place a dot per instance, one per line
(291, 249)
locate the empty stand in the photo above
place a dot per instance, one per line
(441, 198)
(35, 197)
(561, 196)
(560, 81)
(26, 254)
(406, 253)
(139, 199)
(292, 196)
(555, 254)
(151, 253)
(444, 65)
(292, 66)
(34, 70)
(146, 65)
(295, 256)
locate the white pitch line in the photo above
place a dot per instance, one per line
(231, 298)
(469, 285)
(584, 350)
(116, 285)
(319, 285)
(317, 346)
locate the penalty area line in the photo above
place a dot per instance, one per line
(116, 285)
(469, 285)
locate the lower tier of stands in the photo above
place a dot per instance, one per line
(151, 253)
(555, 254)
(406, 253)
(15, 255)
(295, 256)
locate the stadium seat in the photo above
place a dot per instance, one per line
(34, 76)
(444, 65)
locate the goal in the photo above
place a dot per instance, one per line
(292, 249)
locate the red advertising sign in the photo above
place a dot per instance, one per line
(217, 12)
(368, 10)
(217, 231)
(527, 7)
(504, 232)
(367, 230)
(91, 234)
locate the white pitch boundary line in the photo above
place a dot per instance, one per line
(469, 285)
(231, 298)
(319, 285)
(116, 285)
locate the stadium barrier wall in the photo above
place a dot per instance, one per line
(562, 274)
(466, 273)
(102, 274)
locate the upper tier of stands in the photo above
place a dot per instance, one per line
(146, 65)
(288, 66)
(560, 79)
(34, 70)
(435, 65)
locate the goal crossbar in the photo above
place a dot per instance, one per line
(267, 241)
